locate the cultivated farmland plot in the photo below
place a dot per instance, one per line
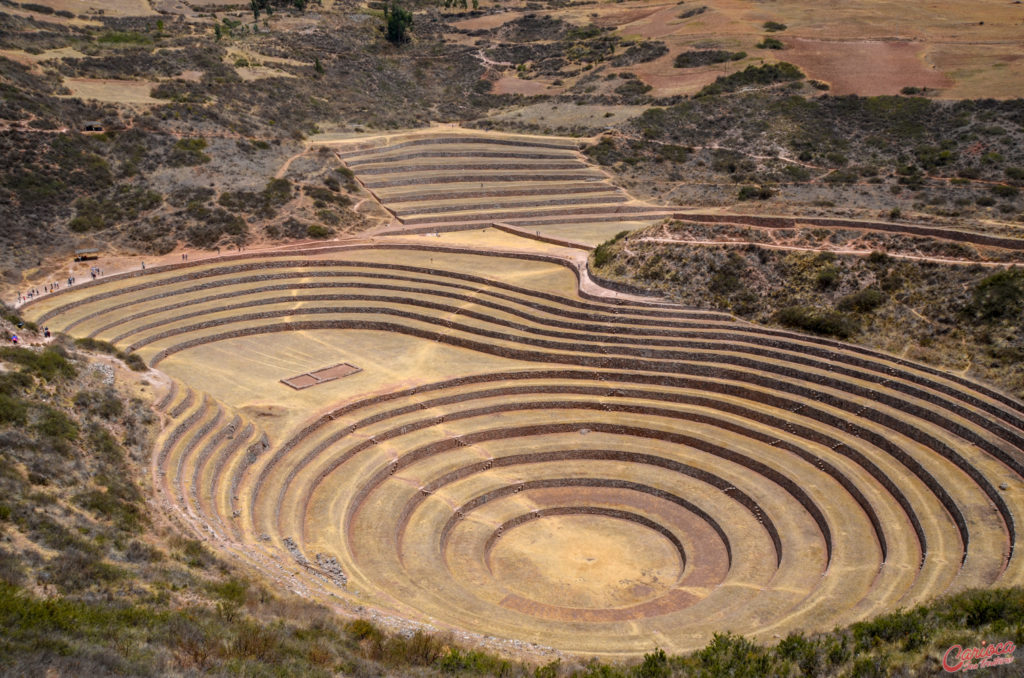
(509, 456)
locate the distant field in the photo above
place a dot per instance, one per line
(107, 7)
(962, 50)
(113, 91)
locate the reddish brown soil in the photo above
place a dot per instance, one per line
(865, 67)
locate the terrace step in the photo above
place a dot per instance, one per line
(598, 211)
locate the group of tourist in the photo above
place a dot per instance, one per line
(94, 271)
(33, 293)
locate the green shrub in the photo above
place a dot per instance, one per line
(863, 301)
(1004, 191)
(419, 649)
(48, 364)
(56, 424)
(124, 203)
(124, 38)
(397, 22)
(774, 26)
(188, 153)
(706, 57)
(842, 177)
(104, 404)
(103, 444)
(76, 570)
(836, 158)
(672, 153)
(98, 345)
(35, 7)
(735, 656)
(191, 144)
(830, 323)
(193, 552)
(474, 662)
(139, 552)
(728, 277)
(827, 277)
(604, 152)
(640, 53)
(107, 505)
(13, 410)
(134, 361)
(318, 231)
(796, 172)
(277, 192)
(754, 193)
(930, 157)
(326, 195)
(999, 295)
(633, 88)
(12, 572)
(795, 648)
(770, 43)
(654, 665)
(361, 629)
(980, 607)
(602, 253)
(255, 641)
(231, 590)
(906, 627)
(768, 74)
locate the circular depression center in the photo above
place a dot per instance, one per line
(587, 561)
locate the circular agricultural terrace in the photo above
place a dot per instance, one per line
(509, 457)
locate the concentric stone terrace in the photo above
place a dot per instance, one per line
(519, 460)
(450, 179)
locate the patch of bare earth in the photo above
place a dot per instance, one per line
(487, 22)
(666, 80)
(112, 91)
(260, 73)
(865, 67)
(510, 84)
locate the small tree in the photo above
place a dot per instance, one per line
(318, 67)
(397, 22)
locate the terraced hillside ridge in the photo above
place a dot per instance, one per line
(446, 179)
(520, 460)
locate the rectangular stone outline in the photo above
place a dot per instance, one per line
(307, 379)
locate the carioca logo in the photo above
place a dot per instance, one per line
(958, 658)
